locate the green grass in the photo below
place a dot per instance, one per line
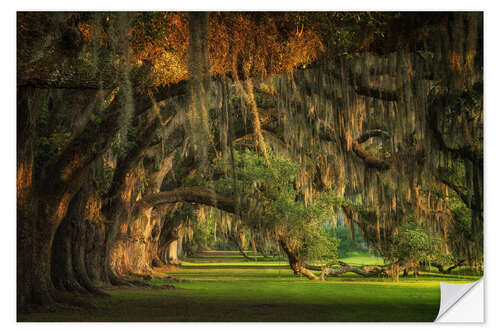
(239, 290)
(360, 258)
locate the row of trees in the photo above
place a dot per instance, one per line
(277, 119)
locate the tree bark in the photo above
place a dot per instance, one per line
(169, 234)
(296, 264)
(173, 258)
(237, 243)
(26, 205)
(68, 265)
(365, 271)
(63, 274)
(121, 196)
(43, 205)
(207, 196)
(449, 269)
(194, 194)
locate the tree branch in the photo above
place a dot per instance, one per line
(432, 121)
(84, 149)
(372, 134)
(194, 194)
(355, 81)
(460, 193)
(449, 269)
(365, 271)
(377, 93)
(370, 160)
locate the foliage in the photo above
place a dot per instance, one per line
(264, 42)
(271, 201)
(201, 240)
(197, 230)
(319, 246)
(346, 242)
(462, 225)
(160, 40)
(49, 148)
(348, 32)
(411, 244)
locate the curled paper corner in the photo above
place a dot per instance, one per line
(461, 303)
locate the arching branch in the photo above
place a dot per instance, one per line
(355, 81)
(372, 134)
(460, 192)
(377, 93)
(195, 194)
(371, 161)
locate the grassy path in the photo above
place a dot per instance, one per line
(223, 286)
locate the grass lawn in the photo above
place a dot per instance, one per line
(360, 258)
(230, 289)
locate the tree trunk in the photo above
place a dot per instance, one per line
(180, 250)
(154, 242)
(43, 289)
(62, 257)
(395, 272)
(26, 204)
(296, 265)
(173, 259)
(118, 218)
(237, 242)
(169, 235)
(35, 230)
(93, 263)
(138, 225)
(68, 265)
(42, 205)
(80, 254)
(254, 249)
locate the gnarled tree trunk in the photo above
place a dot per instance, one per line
(296, 264)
